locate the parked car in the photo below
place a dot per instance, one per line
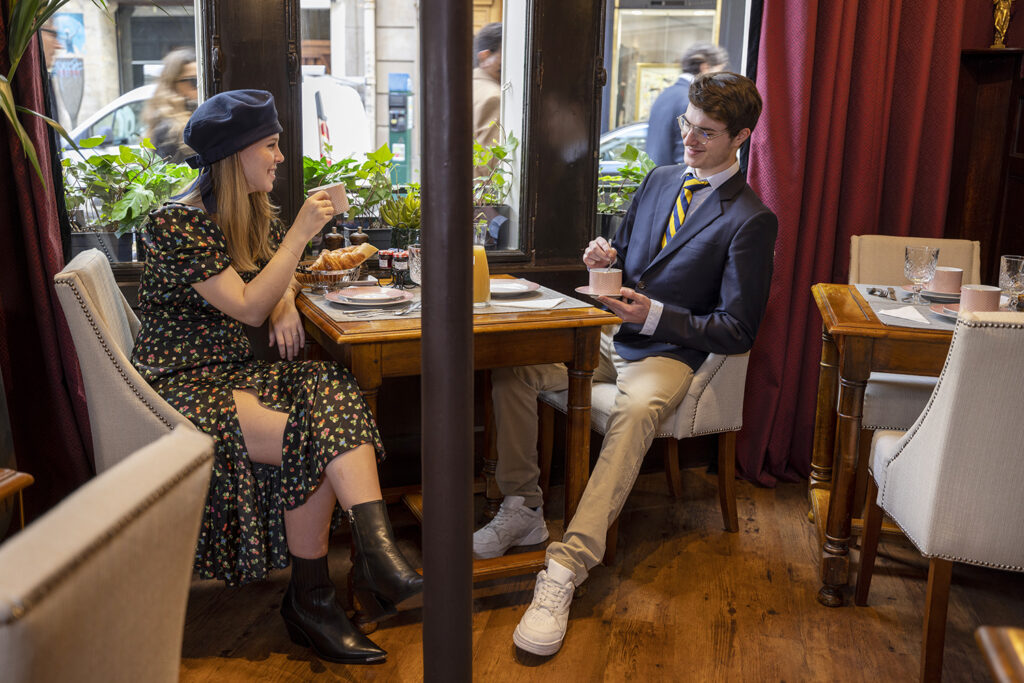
(344, 123)
(614, 142)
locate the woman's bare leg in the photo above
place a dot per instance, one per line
(352, 476)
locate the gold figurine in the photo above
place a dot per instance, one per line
(1001, 14)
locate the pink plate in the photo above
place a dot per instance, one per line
(948, 311)
(369, 296)
(509, 288)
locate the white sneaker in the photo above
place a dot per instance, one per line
(542, 628)
(515, 524)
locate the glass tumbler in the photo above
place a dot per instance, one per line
(1011, 278)
(416, 263)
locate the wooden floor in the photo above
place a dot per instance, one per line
(685, 601)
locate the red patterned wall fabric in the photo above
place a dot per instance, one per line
(46, 400)
(855, 138)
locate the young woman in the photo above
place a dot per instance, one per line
(294, 439)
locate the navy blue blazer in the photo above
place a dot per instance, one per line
(664, 143)
(712, 277)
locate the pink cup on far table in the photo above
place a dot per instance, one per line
(979, 298)
(947, 279)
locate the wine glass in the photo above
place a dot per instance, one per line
(1011, 278)
(919, 267)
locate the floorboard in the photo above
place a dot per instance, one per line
(684, 601)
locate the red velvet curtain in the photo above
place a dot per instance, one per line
(45, 397)
(856, 137)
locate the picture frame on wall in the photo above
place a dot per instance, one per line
(651, 79)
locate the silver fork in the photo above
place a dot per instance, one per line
(415, 306)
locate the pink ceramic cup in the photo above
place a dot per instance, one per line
(979, 298)
(947, 279)
(607, 281)
(338, 196)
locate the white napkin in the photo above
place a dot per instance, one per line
(907, 313)
(533, 304)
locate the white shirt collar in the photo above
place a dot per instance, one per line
(718, 179)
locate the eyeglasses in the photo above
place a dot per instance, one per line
(48, 31)
(703, 134)
(191, 80)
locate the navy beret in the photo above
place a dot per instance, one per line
(229, 122)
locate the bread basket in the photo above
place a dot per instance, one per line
(325, 280)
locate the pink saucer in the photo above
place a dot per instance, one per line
(585, 289)
(946, 311)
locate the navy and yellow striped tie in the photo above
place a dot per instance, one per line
(691, 184)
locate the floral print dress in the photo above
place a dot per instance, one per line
(195, 356)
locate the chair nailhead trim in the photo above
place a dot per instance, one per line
(110, 354)
(46, 586)
(910, 434)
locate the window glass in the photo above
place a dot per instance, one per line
(647, 46)
(361, 90)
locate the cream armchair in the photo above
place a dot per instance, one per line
(712, 405)
(96, 589)
(893, 401)
(125, 413)
(954, 482)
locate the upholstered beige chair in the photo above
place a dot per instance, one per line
(125, 413)
(713, 405)
(893, 401)
(96, 589)
(954, 482)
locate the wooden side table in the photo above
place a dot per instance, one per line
(1003, 647)
(12, 482)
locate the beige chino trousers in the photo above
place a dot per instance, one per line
(647, 389)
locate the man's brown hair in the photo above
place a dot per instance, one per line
(727, 97)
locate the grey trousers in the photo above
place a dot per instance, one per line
(647, 389)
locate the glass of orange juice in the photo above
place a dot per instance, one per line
(481, 276)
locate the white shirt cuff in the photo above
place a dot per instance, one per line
(653, 317)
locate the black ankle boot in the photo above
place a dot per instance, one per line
(381, 576)
(315, 619)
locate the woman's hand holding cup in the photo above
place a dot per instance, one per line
(314, 214)
(599, 254)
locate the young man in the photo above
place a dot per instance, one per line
(696, 250)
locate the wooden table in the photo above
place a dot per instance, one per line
(854, 344)
(1003, 647)
(374, 349)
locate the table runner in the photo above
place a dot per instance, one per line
(342, 312)
(935, 321)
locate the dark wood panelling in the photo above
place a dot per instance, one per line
(254, 44)
(988, 166)
(562, 126)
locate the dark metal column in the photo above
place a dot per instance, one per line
(446, 47)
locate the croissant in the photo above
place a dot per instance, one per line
(344, 258)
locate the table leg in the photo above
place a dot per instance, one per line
(855, 365)
(577, 430)
(492, 494)
(825, 414)
(365, 364)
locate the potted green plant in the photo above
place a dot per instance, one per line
(615, 191)
(401, 212)
(367, 183)
(109, 195)
(491, 187)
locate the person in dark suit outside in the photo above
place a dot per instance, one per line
(696, 248)
(664, 145)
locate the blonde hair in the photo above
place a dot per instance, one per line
(166, 105)
(244, 217)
